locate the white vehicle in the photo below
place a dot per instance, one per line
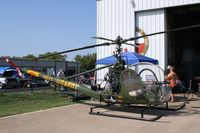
(11, 79)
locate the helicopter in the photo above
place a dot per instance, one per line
(123, 83)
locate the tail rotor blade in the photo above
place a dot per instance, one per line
(12, 64)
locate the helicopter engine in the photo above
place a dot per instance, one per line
(112, 78)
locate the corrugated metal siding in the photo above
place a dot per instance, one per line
(141, 5)
(117, 17)
(151, 22)
(114, 17)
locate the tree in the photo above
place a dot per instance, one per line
(87, 62)
(54, 56)
(29, 56)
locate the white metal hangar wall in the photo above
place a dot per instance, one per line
(114, 18)
(121, 17)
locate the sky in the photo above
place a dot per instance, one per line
(40, 26)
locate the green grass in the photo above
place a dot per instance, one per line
(17, 103)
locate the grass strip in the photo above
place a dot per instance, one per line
(17, 103)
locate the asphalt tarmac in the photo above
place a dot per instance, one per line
(76, 119)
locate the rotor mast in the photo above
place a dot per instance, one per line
(119, 49)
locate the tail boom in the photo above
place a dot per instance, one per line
(71, 85)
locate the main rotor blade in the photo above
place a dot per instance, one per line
(96, 69)
(162, 32)
(131, 44)
(76, 49)
(102, 38)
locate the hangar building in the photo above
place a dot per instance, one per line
(180, 48)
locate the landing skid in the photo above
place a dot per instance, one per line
(175, 108)
(123, 116)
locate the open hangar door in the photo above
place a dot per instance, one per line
(183, 47)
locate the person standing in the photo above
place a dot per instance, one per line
(171, 78)
(61, 73)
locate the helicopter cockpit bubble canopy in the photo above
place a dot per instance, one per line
(128, 57)
(148, 71)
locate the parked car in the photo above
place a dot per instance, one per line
(10, 79)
